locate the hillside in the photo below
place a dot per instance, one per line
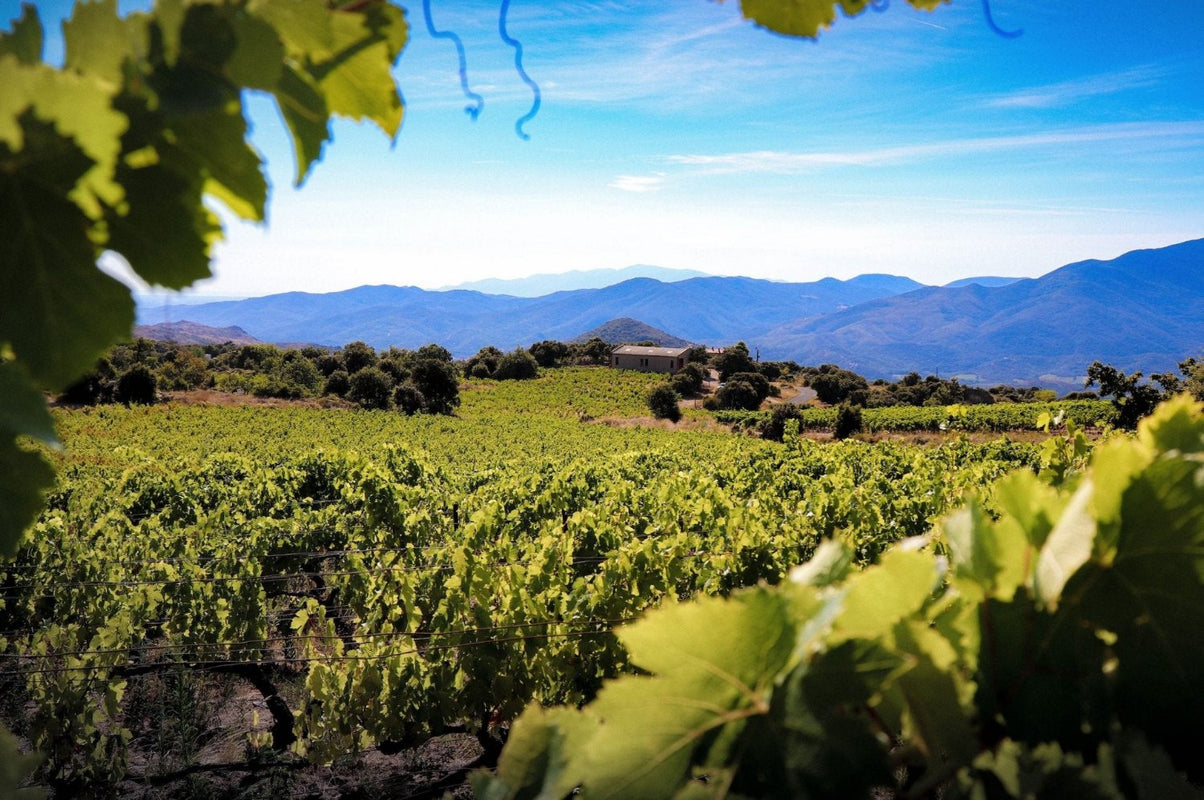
(187, 332)
(1143, 310)
(547, 283)
(627, 330)
(705, 310)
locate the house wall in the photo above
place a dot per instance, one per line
(647, 363)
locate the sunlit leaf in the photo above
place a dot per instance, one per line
(23, 412)
(24, 41)
(61, 311)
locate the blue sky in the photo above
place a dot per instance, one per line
(675, 133)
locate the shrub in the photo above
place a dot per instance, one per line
(738, 394)
(408, 399)
(662, 401)
(774, 428)
(688, 381)
(518, 365)
(370, 388)
(848, 421)
(136, 387)
(338, 383)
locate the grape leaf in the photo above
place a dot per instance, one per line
(16, 769)
(358, 81)
(23, 412)
(24, 41)
(98, 41)
(304, 110)
(61, 312)
(28, 476)
(808, 17)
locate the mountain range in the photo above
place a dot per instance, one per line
(1143, 310)
(548, 282)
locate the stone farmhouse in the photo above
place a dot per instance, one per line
(649, 359)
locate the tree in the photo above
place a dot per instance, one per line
(357, 356)
(688, 380)
(436, 380)
(834, 385)
(848, 421)
(732, 360)
(136, 387)
(370, 388)
(595, 352)
(1131, 398)
(338, 383)
(774, 428)
(484, 363)
(408, 399)
(662, 401)
(549, 353)
(517, 365)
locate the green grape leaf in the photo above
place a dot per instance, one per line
(1068, 546)
(17, 768)
(533, 765)
(1151, 771)
(808, 17)
(886, 593)
(304, 110)
(22, 409)
(1151, 598)
(80, 108)
(1040, 674)
(215, 146)
(165, 233)
(1174, 426)
(827, 744)
(61, 311)
(24, 41)
(993, 559)
(257, 60)
(303, 26)
(169, 16)
(98, 42)
(358, 81)
(830, 564)
(715, 662)
(27, 477)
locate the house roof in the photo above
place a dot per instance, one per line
(666, 352)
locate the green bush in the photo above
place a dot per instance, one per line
(662, 401)
(848, 421)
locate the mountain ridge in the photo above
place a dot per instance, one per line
(1143, 310)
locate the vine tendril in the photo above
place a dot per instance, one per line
(479, 102)
(522, 73)
(986, 10)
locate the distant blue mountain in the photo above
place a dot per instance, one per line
(985, 280)
(1143, 310)
(547, 283)
(712, 309)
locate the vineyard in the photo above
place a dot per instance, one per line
(362, 581)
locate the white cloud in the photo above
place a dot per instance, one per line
(1065, 93)
(638, 183)
(774, 161)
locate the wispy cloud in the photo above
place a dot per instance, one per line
(638, 183)
(1064, 93)
(774, 161)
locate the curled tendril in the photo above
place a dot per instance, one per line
(986, 10)
(473, 110)
(522, 73)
